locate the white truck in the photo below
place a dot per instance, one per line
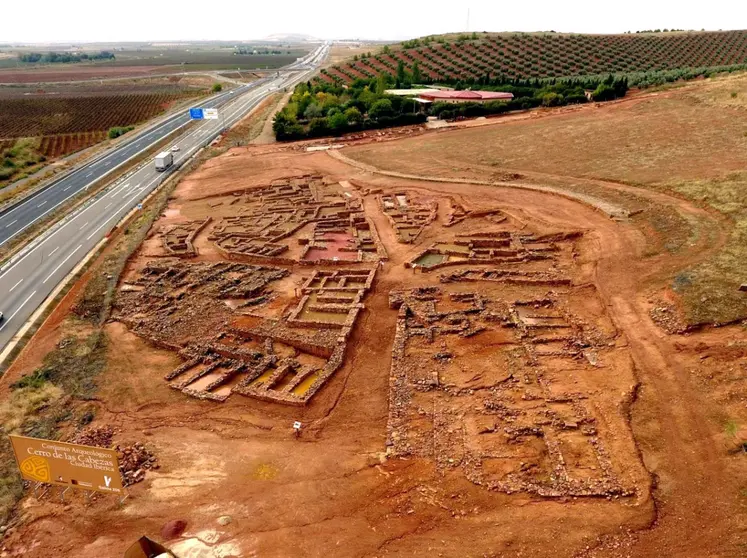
(164, 160)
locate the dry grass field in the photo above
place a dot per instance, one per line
(690, 141)
(339, 53)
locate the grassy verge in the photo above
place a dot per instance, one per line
(710, 290)
(45, 403)
(20, 160)
(251, 127)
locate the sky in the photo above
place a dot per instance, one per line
(148, 20)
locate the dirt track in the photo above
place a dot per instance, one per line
(334, 492)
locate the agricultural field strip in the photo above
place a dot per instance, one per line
(35, 270)
(40, 116)
(98, 169)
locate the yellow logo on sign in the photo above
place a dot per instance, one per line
(36, 467)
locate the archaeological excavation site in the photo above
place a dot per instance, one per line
(502, 365)
(309, 355)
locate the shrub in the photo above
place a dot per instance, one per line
(119, 131)
(603, 92)
(338, 121)
(381, 108)
(552, 100)
(217, 88)
(318, 127)
(353, 115)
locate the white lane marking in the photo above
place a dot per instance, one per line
(120, 187)
(109, 205)
(14, 286)
(62, 263)
(53, 251)
(9, 224)
(13, 315)
(102, 225)
(42, 203)
(82, 226)
(89, 174)
(66, 189)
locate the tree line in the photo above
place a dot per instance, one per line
(322, 109)
(63, 57)
(547, 92)
(531, 94)
(249, 50)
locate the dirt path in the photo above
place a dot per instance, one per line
(267, 136)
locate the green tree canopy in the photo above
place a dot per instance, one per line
(417, 77)
(338, 121)
(381, 108)
(353, 115)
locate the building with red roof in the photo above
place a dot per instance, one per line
(466, 96)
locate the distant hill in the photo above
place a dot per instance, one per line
(291, 38)
(493, 58)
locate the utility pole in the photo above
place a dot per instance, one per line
(467, 18)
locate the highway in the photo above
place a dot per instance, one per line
(33, 274)
(16, 219)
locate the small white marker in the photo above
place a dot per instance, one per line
(14, 286)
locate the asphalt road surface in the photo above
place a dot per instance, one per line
(28, 279)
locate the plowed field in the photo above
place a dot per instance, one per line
(48, 116)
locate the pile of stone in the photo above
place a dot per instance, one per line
(667, 317)
(134, 461)
(99, 436)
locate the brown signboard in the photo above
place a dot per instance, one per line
(72, 465)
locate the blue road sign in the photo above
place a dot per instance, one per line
(196, 114)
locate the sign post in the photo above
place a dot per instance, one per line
(68, 465)
(196, 114)
(210, 113)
